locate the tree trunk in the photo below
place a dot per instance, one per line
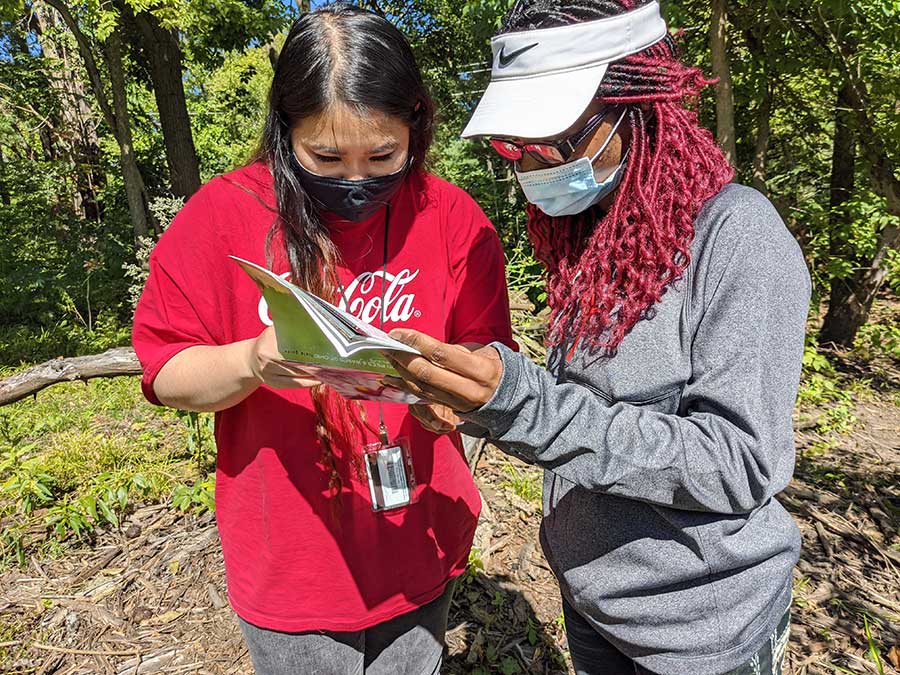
(134, 183)
(75, 127)
(5, 197)
(718, 47)
(163, 53)
(117, 118)
(851, 299)
(47, 143)
(87, 55)
(850, 309)
(846, 312)
(843, 164)
(763, 133)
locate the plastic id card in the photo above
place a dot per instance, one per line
(392, 482)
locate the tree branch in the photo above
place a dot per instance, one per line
(111, 363)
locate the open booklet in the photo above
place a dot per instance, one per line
(331, 345)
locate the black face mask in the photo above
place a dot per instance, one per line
(353, 200)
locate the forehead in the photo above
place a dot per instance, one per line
(348, 128)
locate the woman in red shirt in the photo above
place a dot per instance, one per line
(339, 201)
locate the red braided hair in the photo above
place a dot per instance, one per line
(603, 277)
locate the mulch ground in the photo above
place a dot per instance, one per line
(149, 598)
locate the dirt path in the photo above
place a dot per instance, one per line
(149, 598)
(847, 502)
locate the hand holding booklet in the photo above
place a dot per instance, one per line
(333, 346)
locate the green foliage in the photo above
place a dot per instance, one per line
(820, 386)
(229, 102)
(13, 544)
(67, 230)
(136, 271)
(525, 275)
(795, 49)
(52, 265)
(213, 29)
(21, 344)
(200, 441)
(880, 338)
(509, 666)
(525, 484)
(475, 566)
(61, 262)
(874, 652)
(26, 484)
(80, 458)
(199, 497)
(476, 169)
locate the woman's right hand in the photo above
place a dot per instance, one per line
(438, 419)
(270, 368)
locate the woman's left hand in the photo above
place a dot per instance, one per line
(446, 374)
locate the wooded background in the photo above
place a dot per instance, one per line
(110, 109)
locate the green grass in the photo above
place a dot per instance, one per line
(525, 484)
(11, 629)
(874, 651)
(21, 345)
(821, 386)
(78, 457)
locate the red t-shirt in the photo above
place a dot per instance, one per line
(290, 564)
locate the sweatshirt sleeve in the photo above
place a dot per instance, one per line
(730, 446)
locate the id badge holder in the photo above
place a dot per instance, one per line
(392, 482)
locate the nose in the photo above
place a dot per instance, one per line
(356, 170)
(528, 163)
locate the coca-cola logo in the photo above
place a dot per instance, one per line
(362, 298)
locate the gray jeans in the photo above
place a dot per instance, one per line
(593, 655)
(410, 644)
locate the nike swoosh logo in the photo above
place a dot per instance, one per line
(505, 59)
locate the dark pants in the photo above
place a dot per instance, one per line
(410, 644)
(592, 654)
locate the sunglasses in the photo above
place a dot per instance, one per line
(549, 153)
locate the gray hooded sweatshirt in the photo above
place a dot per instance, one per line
(663, 462)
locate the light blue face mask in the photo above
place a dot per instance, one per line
(571, 188)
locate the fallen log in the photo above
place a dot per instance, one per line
(111, 363)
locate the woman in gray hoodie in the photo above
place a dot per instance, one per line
(678, 303)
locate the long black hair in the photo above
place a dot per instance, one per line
(337, 54)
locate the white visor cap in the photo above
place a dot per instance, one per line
(542, 80)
